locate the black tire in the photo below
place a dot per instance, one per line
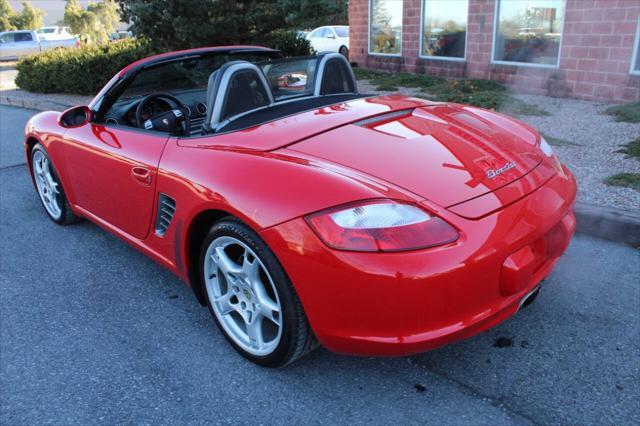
(344, 51)
(66, 217)
(297, 338)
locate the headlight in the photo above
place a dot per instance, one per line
(380, 225)
(546, 148)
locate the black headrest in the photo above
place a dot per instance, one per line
(218, 90)
(334, 75)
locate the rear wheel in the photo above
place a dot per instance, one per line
(251, 298)
(344, 51)
(50, 188)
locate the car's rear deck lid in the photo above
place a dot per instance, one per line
(445, 153)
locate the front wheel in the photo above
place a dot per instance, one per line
(251, 298)
(50, 188)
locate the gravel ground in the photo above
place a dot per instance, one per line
(595, 139)
(593, 158)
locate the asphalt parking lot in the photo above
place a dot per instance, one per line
(92, 332)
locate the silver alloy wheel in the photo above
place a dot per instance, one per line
(48, 187)
(243, 296)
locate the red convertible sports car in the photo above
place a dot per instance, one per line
(306, 215)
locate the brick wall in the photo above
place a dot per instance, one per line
(595, 56)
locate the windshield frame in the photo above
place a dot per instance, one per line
(110, 95)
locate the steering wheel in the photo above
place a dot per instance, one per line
(175, 121)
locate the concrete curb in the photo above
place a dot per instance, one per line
(39, 103)
(617, 225)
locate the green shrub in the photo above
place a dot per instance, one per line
(288, 43)
(625, 180)
(365, 73)
(631, 149)
(629, 113)
(386, 81)
(82, 71)
(481, 93)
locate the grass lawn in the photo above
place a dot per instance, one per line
(627, 180)
(631, 149)
(629, 113)
(482, 93)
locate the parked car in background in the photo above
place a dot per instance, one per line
(18, 44)
(330, 39)
(54, 33)
(120, 35)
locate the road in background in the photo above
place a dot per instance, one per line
(93, 332)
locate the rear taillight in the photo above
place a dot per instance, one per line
(380, 225)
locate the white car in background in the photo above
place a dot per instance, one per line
(54, 33)
(333, 38)
(18, 44)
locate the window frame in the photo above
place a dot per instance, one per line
(392, 55)
(316, 31)
(496, 12)
(11, 35)
(28, 33)
(441, 58)
(636, 51)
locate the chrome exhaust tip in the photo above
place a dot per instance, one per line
(529, 297)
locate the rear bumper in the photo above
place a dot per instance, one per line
(405, 303)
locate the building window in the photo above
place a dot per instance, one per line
(528, 31)
(635, 59)
(385, 27)
(444, 28)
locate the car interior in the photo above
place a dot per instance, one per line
(196, 97)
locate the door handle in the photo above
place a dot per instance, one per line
(141, 174)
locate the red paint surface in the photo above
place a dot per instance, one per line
(272, 175)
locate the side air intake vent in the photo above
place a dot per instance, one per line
(166, 210)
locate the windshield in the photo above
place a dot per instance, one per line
(46, 30)
(290, 77)
(187, 74)
(342, 31)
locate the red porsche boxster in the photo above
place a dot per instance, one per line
(311, 214)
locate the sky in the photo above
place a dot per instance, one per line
(53, 9)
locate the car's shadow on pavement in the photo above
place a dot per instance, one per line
(93, 330)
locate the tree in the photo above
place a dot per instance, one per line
(108, 16)
(308, 14)
(6, 13)
(93, 24)
(29, 19)
(174, 24)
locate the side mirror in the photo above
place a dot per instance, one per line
(76, 116)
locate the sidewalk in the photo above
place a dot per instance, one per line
(41, 101)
